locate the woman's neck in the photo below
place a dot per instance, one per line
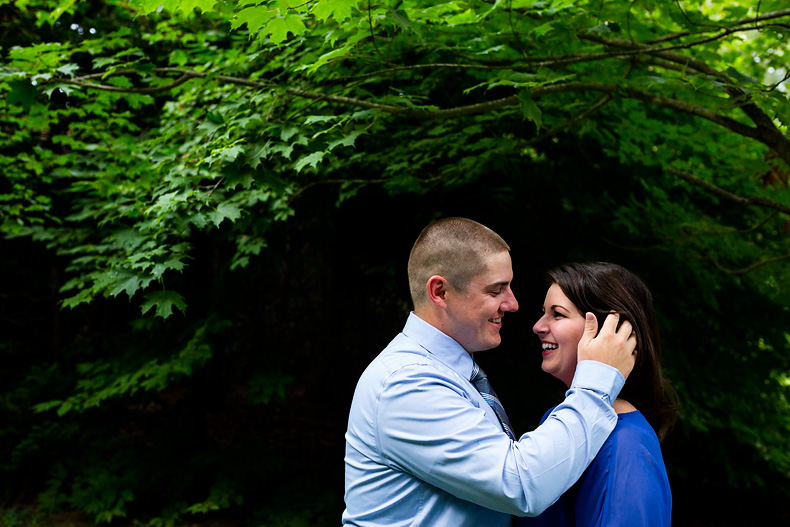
(621, 406)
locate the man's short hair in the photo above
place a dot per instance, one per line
(455, 248)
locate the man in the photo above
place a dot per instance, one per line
(424, 447)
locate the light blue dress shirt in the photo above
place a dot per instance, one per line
(423, 448)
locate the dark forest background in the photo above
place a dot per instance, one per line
(206, 210)
(256, 431)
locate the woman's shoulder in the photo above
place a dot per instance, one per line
(633, 423)
(633, 437)
(621, 406)
(626, 484)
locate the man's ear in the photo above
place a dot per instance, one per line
(437, 290)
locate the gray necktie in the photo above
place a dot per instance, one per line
(480, 380)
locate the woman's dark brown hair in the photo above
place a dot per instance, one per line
(603, 287)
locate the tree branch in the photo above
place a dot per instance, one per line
(751, 109)
(770, 137)
(513, 100)
(752, 267)
(597, 105)
(108, 87)
(743, 21)
(765, 132)
(766, 16)
(442, 113)
(301, 190)
(725, 194)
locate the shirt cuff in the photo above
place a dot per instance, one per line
(600, 377)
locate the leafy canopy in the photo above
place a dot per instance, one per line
(131, 129)
(181, 116)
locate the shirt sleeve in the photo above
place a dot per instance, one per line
(428, 426)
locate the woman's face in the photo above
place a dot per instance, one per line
(560, 329)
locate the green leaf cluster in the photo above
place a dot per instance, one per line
(159, 151)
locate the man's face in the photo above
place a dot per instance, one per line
(474, 317)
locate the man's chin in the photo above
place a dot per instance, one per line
(490, 345)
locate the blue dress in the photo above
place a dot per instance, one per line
(625, 485)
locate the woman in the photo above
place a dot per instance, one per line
(626, 484)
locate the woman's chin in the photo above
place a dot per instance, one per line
(564, 377)
(551, 371)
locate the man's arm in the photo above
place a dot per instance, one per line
(428, 427)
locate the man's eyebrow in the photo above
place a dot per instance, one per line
(503, 283)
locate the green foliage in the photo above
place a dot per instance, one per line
(260, 113)
(103, 380)
(162, 152)
(18, 517)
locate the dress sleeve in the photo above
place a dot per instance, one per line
(428, 427)
(627, 484)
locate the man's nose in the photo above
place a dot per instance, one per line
(511, 304)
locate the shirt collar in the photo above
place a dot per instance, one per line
(439, 344)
